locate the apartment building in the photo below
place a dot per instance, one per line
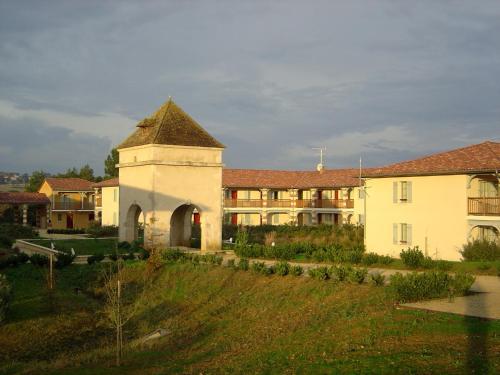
(259, 197)
(438, 202)
(71, 202)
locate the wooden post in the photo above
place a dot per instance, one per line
(51, 274)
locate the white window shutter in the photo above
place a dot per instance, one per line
(409, 231)
(394, 234)
(409, 195)
(394, 192)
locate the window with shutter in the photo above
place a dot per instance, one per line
(394, 234)
(404, 233)
(395, 192)
(408, 234)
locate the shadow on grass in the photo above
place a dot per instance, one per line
(477, 360)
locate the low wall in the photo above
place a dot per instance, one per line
(31, 248)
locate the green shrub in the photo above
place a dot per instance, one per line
(129, 256)
(412, 257)
(95, 258)
(22, 258)
(320, 273)
(39, 260)
(377, 278)
(66, 231)
(258, 267)
(17, 231)
(385, 259)
(5, 296)
(481, 250)
(124, 245)
(114, 257)
(443, 265)
(137, 246)
(243, 264)
(231, 263)
(143, 254)
(483, 266)
(370, 258)
(296, 270)
(430, 284)
(357, 275)
(211, 259)
(340, 272)
(5, 242)
(172, 255)
(96, 230)
(64, 259)
(282, 268)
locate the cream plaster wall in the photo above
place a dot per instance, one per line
(160, 179)
(110, 205)
(437, 213)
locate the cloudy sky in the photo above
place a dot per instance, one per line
(385, 80)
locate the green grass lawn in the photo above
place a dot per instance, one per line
(223, 321)
(83, 246)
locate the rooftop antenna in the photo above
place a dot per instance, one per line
(320, 166)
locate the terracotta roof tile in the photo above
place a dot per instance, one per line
(276, 179)
(23, 198)
(107, 183)
(482, 157)
(69, 184)
(170, 125)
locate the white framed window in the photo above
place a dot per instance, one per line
(402, 192)
(402, 234)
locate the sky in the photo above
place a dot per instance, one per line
(382, 80)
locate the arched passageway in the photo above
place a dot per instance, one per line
(181, 224)
(134, 223)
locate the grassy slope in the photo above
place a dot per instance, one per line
(226, 321)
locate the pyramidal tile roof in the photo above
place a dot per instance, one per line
(482, 157)
(170, 125)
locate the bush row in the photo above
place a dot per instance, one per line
(98, 230)
(415, 258)
(16, 231)
(430, 284)
(65, 231)
(481, 250)
(61, 260)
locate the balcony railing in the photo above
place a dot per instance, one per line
(98, 201)
(484, 206)
(279, 203)
(287, 203)
(334, 203)
(242, 203)
(73, 206)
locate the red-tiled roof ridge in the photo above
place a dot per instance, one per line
(69, 184)
(23, 198)
(283, 179)
(481, 157)
(110, 182)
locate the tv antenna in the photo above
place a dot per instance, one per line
(320, 166)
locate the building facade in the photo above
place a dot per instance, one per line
(438, 203)
(72, 202)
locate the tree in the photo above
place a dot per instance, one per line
(70, 172)
(86, 173)
(35, 181)
(110, 169)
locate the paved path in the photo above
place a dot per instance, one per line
(484, 303)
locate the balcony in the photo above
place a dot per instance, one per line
(287, 203)
(73, 206)
(335, 203)
(484, 206)
(98, 201)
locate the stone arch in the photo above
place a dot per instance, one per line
(181, 224)
(132, 223)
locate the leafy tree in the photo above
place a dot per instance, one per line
(87, 173)
(109, 164)
(70, 172)
(35, 181)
